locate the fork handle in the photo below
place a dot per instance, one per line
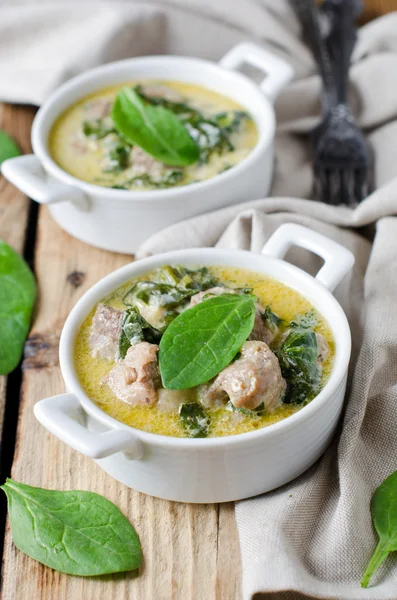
(308, 16)
(341, 15)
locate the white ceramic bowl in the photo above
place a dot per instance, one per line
(121, 220)
(212, 469)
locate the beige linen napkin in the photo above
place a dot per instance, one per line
(313, 537)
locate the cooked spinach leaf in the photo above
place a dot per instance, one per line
(98, 128)
(384, 517)
(134, 329)
(155, 129)
(191, 279)
(272, 320)
(118, 158)
(203, 340)
(169, 179)
(297, 355)
(255, 412)
(17, 295)
(156, 294)
(231, 120)
(8, 147)
(76, 532)
(306, 321)
(194, 419)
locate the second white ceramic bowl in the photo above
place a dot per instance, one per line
(211, 469)
(121, 220)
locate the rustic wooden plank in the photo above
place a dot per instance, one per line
(14, 206)
(190, 551)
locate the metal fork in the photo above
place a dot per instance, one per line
(341, 154)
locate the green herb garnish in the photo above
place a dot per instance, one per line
(194, 419)
(76, 532)
(384, 517)
(17, 295)
(155, 129)
(203, 340)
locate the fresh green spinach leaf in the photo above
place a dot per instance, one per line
(155, 129)
(76, 532)
(203, 340)
(211, 134)
(297, 356)
(384, 517)
(134, 329)
(8, 147)
(17, 295)
(194, 419)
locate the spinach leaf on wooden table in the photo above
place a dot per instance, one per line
(204, 339)
(17, 295)
(8, 147)
(155, 129)
(384, 516)
(76, 532)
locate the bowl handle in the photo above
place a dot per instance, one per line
(62, 416)
(278, 72)
(337, 260)
(27, 174)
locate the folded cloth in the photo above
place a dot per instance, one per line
(313, 537)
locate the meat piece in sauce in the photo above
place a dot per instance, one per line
(98, 108)
(136, 379)
(105, 332)
(260, 331)
(144, 163)
(322, 348)
(251, 380)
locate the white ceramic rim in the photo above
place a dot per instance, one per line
(39, 142)
(122, 275)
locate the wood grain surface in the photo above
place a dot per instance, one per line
(191, 552)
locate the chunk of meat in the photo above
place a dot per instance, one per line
(322, 348)
(144, 163)
(253, 378)
(98, 108)
(105, 332)
(260, 332)
(136, 379)
(159, 90)
(206, 294)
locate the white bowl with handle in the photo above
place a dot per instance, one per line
(121, 220)
(211, 469)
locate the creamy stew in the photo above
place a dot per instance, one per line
(85, 142)
(283, 357)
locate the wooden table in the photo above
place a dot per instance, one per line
(191, 552)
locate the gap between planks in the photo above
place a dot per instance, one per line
(191, 552)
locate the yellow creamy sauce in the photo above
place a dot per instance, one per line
(284, 301)
(84, 158)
